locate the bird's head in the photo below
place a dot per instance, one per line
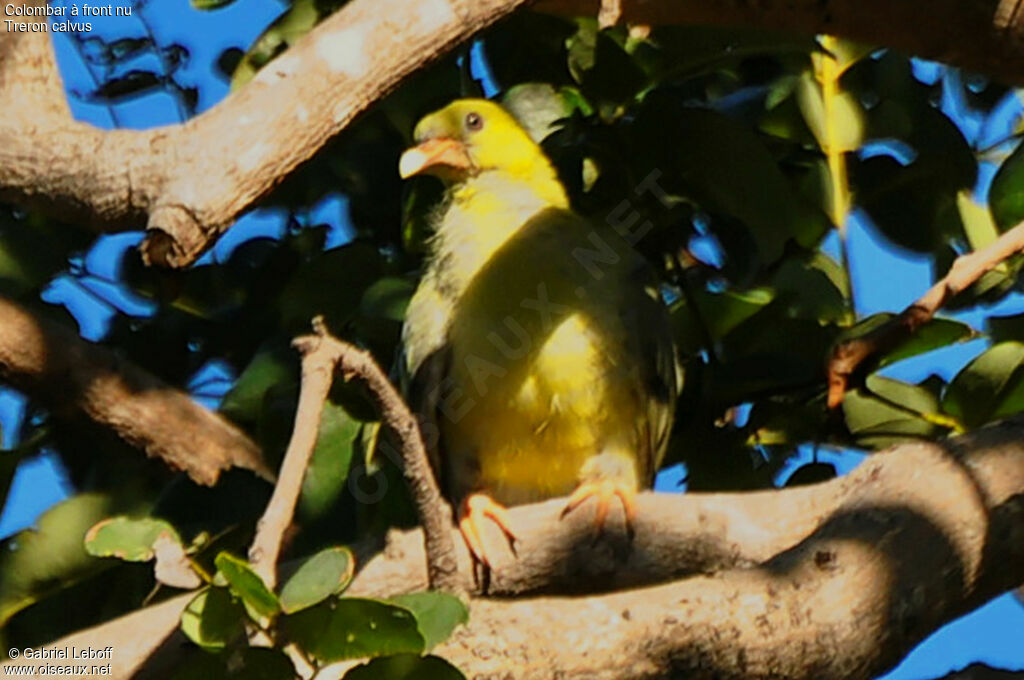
(470, 136)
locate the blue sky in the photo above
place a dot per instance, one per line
(884, 280)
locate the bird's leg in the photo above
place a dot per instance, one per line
(475, 509)
(605, 490)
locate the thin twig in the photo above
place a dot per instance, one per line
(318, 363)
(321, 354)
(849, 355)
(434, 513)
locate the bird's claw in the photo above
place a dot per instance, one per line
(475, 509)
(604, 490)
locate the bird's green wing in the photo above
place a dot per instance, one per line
(660, 370)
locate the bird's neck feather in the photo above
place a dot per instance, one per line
(486, 210)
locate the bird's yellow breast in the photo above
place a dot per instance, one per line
(534, 421)
(542, 376)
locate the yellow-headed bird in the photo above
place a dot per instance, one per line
(537, 346)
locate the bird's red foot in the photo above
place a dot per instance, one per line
(605, 490)
(477, 508)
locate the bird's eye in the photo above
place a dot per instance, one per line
(473, 121)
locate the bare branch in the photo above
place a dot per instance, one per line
(434, 513)
(322, 353)
(70, 375)
(849, 355)
(187, 183)
(318, 362)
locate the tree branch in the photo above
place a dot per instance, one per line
(321, 355)
(318, 362)
(849, 355)
(971, 34)
(861, 568)
(70, 375)
(838, 579)
(187, 183)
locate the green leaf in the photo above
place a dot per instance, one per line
(381, 312)
(909, 204)
(913, 199)
(31, 252)
(844, 130)
(529, 47)
(692, 50)
(330, 285)
(213, 619)
(387, 298)
(126, 538)
(935, 334)
(328, 467)
(1006, 195)
(784, 422)
(324, 574)
(405, 667)
(293, 23)
(262, 663)
(268, 368)
(806, 290)
(722, 312)
(259, 601)
(979, 225)
(889, 412)
(846, 52)
(437, 614)
(605, 72)
(768, 354)
(989, 387)
(353, 628)
(1002, 328)
(728, 170)
(537, 107)
(36, 563)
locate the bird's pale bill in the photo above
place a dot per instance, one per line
(440, 151)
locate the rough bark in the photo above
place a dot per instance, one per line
(836, 580)
(70, 375)
(186, 183)
(915, 537)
